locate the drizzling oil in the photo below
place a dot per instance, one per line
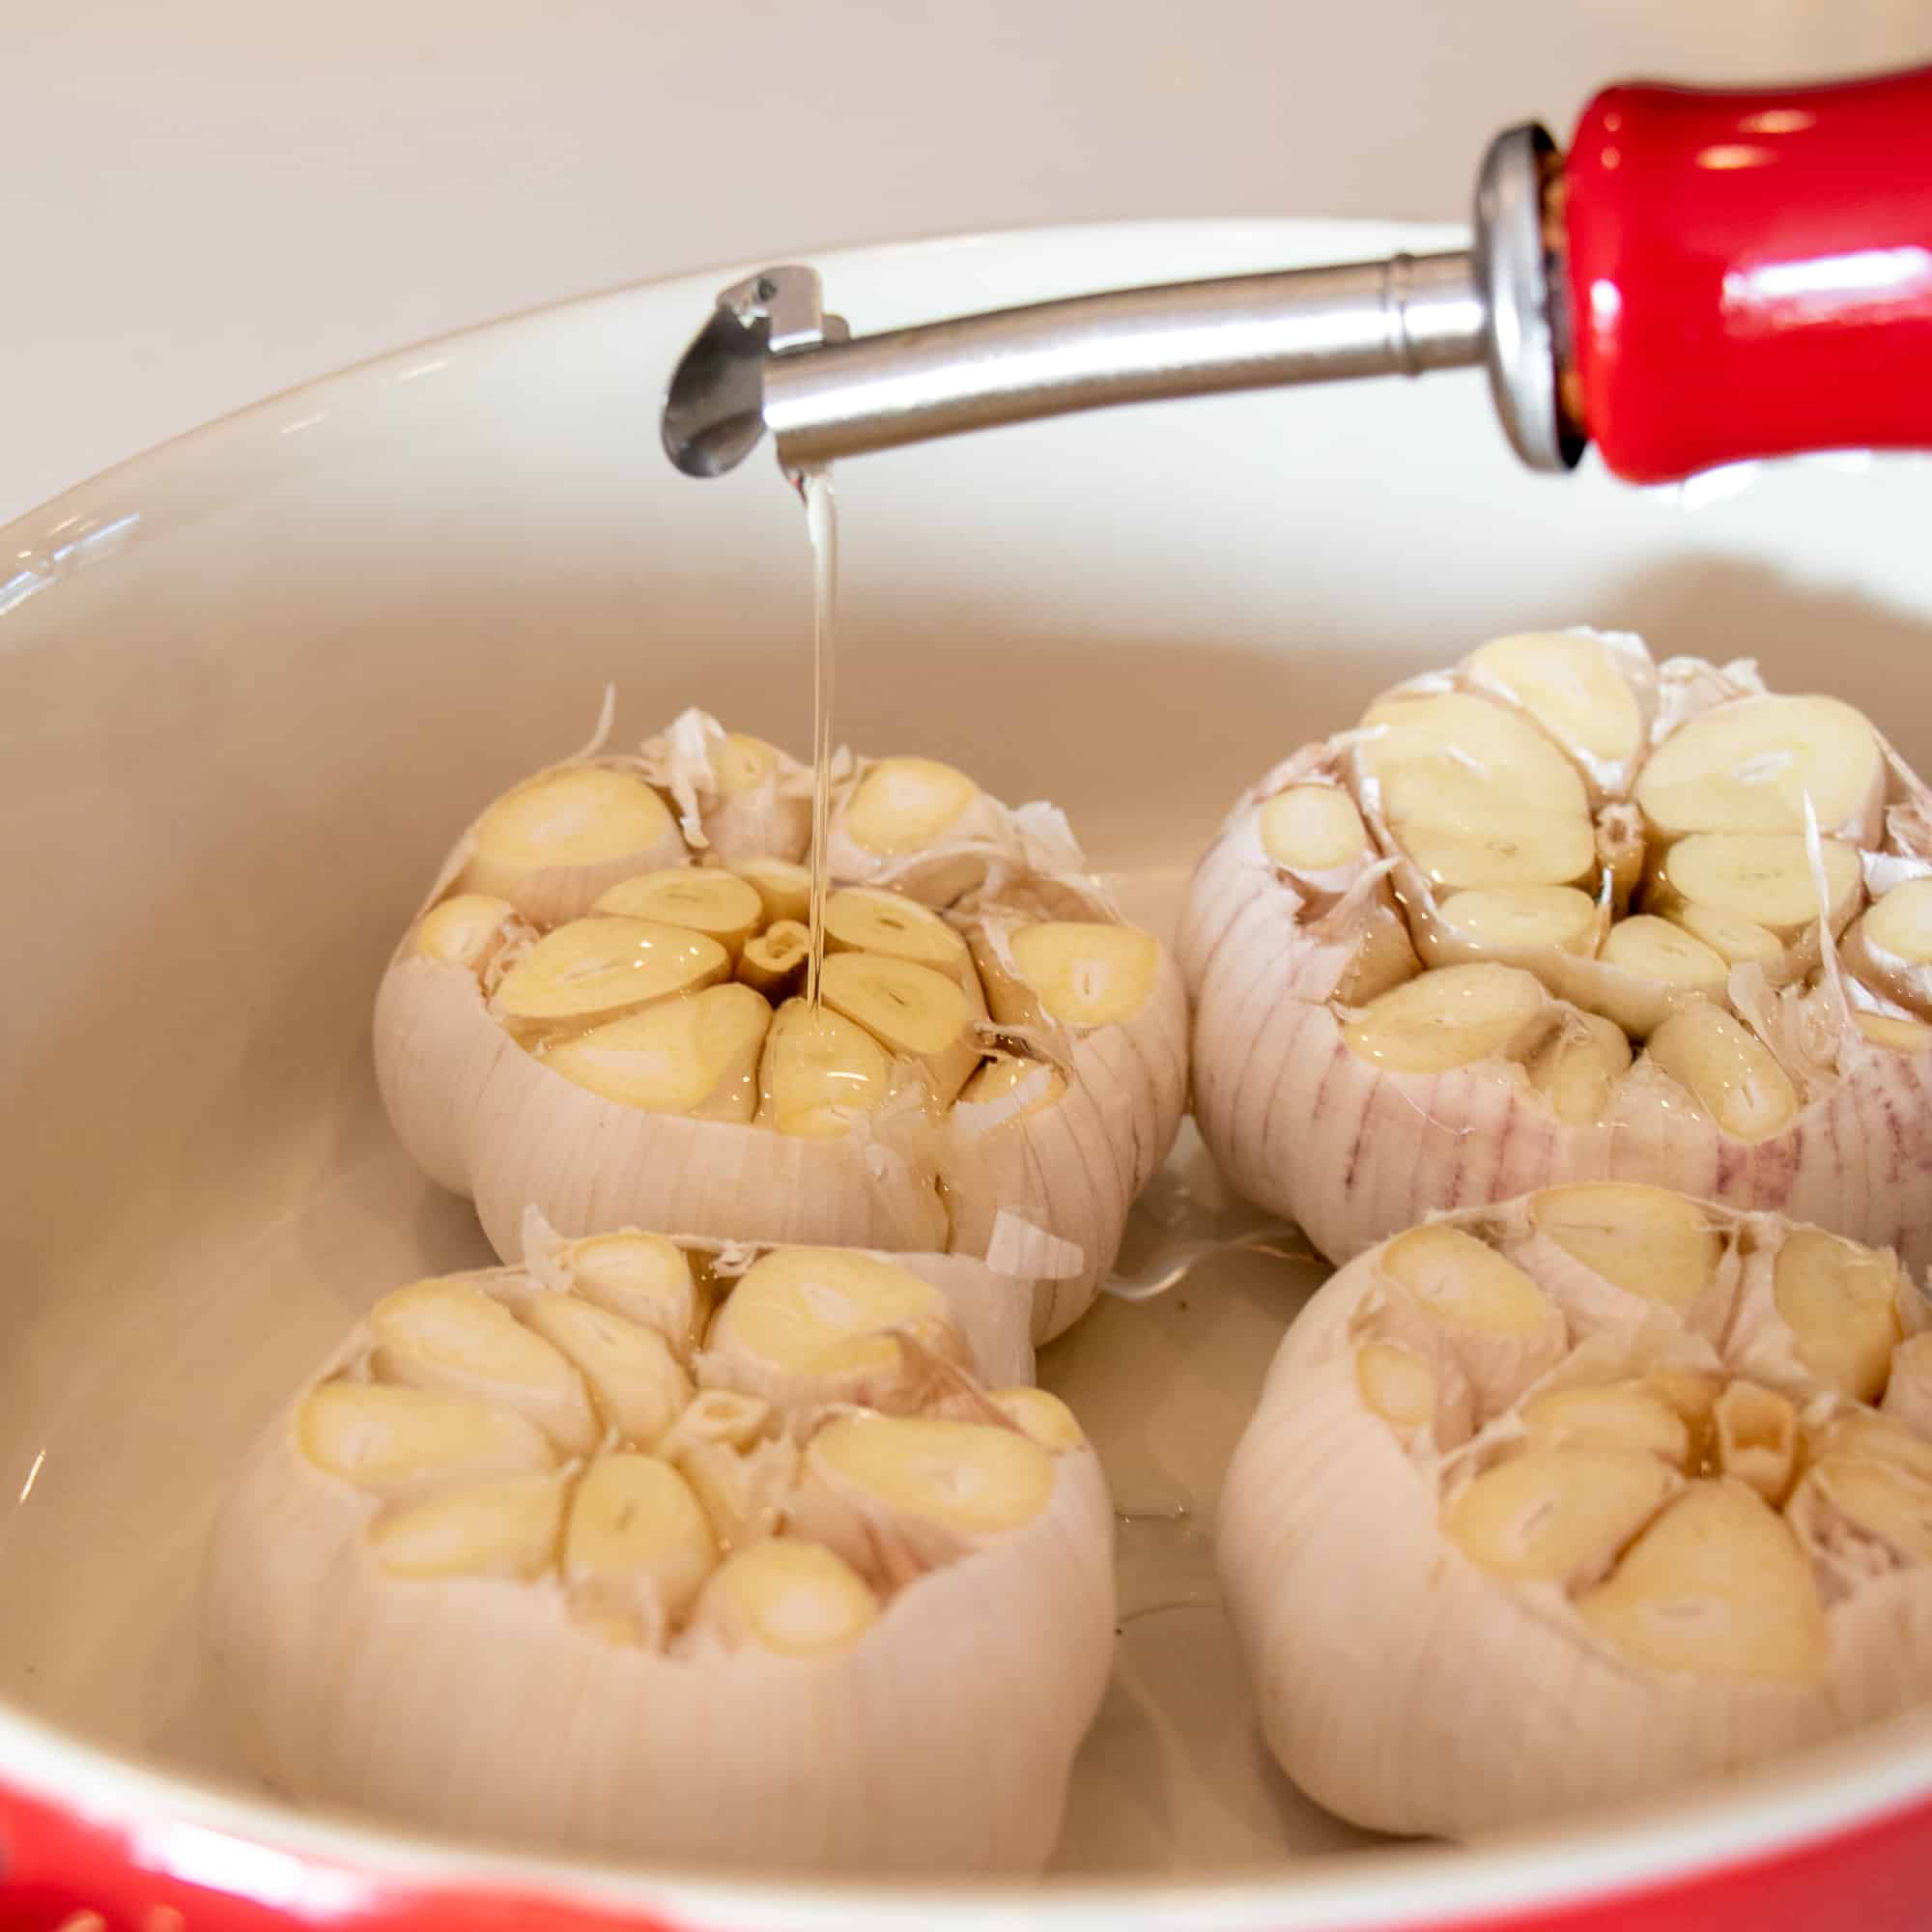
(821, 525)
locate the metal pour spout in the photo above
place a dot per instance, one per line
(770, 359)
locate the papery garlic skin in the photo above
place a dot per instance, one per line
(921, 1718)
(1721, 1044)
(1411, 1672)
(609, 1073)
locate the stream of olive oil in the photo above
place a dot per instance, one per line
(821, 525)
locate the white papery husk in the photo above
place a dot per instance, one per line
(941, 1741)
(1404, 1688)
(1301, 1126)
(772, 820)
(488, 1120)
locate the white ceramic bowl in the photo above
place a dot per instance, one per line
(251, 684)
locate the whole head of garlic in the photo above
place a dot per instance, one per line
(1557, 914)
(699, 1552)
(1566, 1500)
(598, 1014)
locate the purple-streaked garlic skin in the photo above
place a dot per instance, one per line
(1419, 1678)
(1831, 1121)
(911, 1142)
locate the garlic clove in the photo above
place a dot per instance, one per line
(1840, 1302)
(1449, 1018)
(1716, 1585)
(697, 1056)
(1749, 767)
(1557, 1515)
(718, 904)
(552, 844)
(392, 1441)
(506, 1526)
(786, 1598)
(594, 969)
(451, 1337)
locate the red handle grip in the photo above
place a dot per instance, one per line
(1750, 273)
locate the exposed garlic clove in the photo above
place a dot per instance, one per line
(1476, 795)
(467, 930)
(557, 841)
(774, 962)
(1751, 766)
(392, 1441)
(1516, 925)
(1880, 1508)
(1503, 1330)
(893, 926)
(1630, 1416)
(912, 1011)
(718, 904)
(1013, 1081)
(1728, 1071)
(1084, 973)
(900, 1495)
(786, 1598)
(1757, 1439)
(594, 969)
(1315, 832)
(507, 1527)
(697, 1056)
(1578, 689)
(1646, 1242)
(1765, 878)
(1558, 1516)
(451, 1337)
(784, 889)
(1577, 1066)
(1041, 1416)
(820, 1071)
(1716, 1585)
(1737, 941)
(638, 1547)
(1450, 1018)
(807, 1326)
(646, 1278)
(1891, 948)
(1841, 1303)
(1657, 966)
(640, 1386)
(906, 804)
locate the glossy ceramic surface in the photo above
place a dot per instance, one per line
(249, 686)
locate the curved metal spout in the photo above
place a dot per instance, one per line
(770, 359)
(714, 411)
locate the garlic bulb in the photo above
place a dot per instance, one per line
(1561, 1501)
(1557, 914)
(686, 1554)
(587, 1019)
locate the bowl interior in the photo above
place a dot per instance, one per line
(253, 685)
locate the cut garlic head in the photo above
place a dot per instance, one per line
(618, 1043)
(528, 1559)
(1555, 913)
(1603, 1464)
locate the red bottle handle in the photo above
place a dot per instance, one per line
(1750, 273)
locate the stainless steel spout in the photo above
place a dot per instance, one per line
(769, 359)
